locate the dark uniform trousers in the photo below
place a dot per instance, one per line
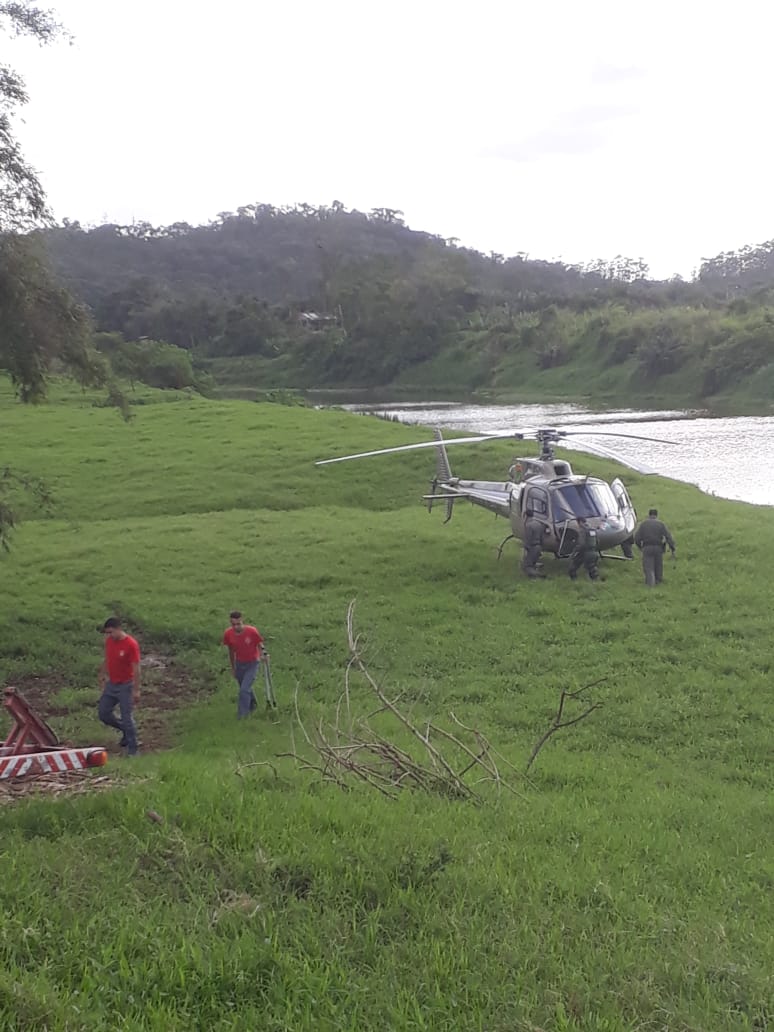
(653, 564)
(588, 558)
(585, 554)
(530, 560)
(533, 540)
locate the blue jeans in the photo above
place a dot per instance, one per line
(119, 695)
(245, 674)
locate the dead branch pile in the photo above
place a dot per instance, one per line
(74, 782)
(437, 760)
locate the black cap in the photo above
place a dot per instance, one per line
(112, 621)
(652, 512)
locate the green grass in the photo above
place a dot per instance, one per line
(630, 885)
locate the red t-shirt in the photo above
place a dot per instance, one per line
(120, 655)
(245, 646)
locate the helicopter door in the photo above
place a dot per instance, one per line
(566, 541)
(535, 498)
(625, 507)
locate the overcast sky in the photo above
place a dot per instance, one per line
(570, 129)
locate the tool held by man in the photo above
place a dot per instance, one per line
(271, 701)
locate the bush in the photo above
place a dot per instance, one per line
(152, 362)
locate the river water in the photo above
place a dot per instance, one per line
(732, 457)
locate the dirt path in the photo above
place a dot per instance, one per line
(167, 685)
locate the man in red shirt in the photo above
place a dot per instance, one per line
(244, 645)
(120, 680)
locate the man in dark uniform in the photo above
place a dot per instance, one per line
(533, 545)
(652, 537)
(586, 552)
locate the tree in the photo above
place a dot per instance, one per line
(22, 200)
(42, 328)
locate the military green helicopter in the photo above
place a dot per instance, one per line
(544, 484)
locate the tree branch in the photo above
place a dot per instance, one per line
(558, 723)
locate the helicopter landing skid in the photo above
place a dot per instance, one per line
(503, 543)
(621, 558)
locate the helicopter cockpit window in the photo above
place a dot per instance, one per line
(584, 500)
(538, 502)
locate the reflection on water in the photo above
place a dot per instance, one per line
(730, 457)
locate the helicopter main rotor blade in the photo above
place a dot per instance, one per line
(495, 435)
(606, 453)
(609, 433)
(547, 433)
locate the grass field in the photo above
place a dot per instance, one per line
(627, 887)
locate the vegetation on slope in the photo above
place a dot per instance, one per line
(630, 886)
(312, 296)
(309, 296)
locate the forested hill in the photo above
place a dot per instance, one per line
(286, 255)
(327, 296)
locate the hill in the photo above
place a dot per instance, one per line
(308, 297)
(278, 255)
(628, 882)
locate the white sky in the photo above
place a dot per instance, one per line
(574, 129)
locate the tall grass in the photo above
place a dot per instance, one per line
(630, 887)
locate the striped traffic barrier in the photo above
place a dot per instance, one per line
(59, 761)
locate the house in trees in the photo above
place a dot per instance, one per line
(316, 320)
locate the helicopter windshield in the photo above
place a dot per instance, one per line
(575, 500)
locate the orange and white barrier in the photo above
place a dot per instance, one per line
(58, 761)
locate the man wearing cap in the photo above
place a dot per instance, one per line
(652, 537)
(244, 644)
(533, 545)
(120, 680)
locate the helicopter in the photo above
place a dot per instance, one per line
(544, 484)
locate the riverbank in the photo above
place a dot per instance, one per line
(249, 379)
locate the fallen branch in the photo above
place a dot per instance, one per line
(354, 750)
(558, 723)
(74, 782)
(257, 763)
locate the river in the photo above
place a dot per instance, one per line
(732, 457)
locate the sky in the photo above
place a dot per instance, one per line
(563, 130)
